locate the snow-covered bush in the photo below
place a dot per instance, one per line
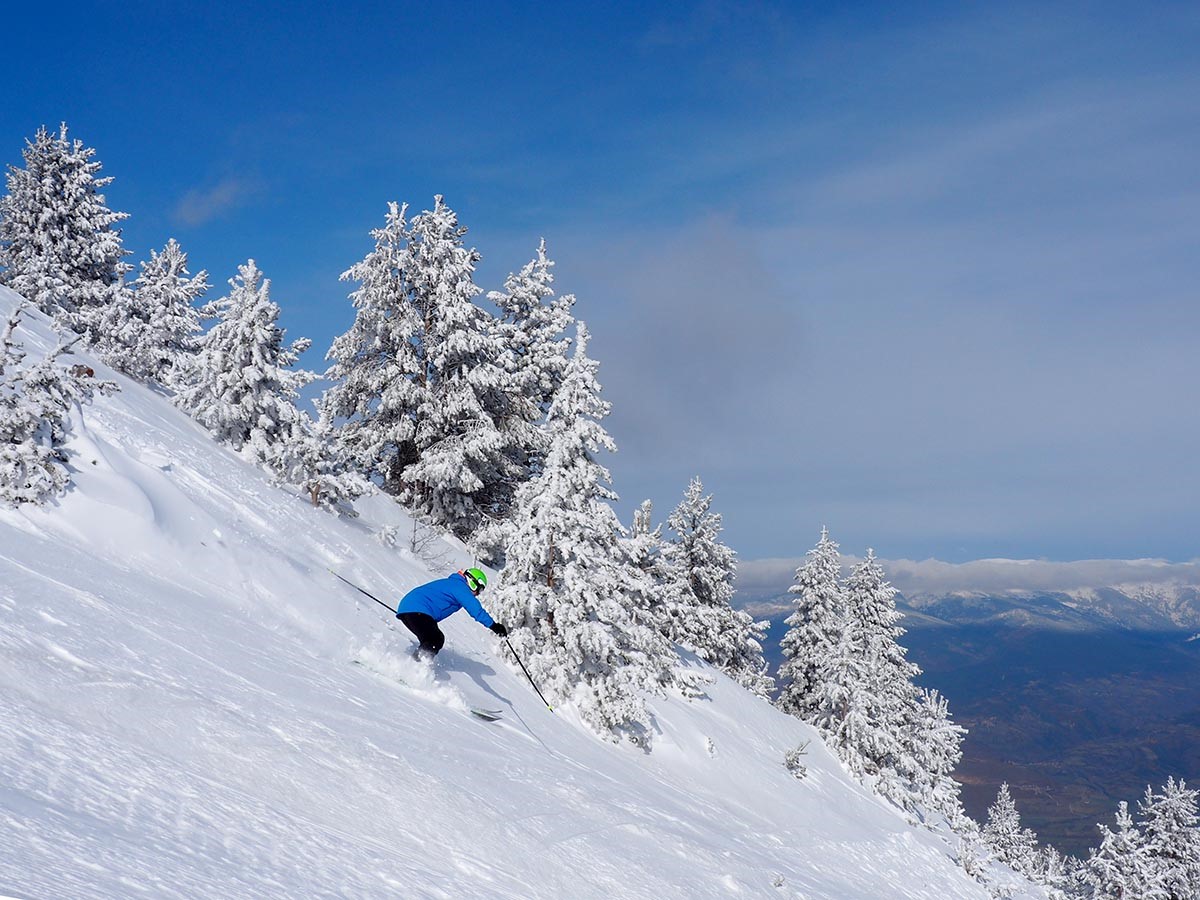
(311, 459)
(35, 402)
(793, 760)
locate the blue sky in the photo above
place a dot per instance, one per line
(925, 273)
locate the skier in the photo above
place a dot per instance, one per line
(423, 607)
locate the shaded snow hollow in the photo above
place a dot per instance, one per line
(180, 716)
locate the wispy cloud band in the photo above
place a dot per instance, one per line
(202, 205)
(762, 579)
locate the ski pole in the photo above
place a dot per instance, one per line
(527, 675)
(361, 591)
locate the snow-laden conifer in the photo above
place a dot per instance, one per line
(29, 469)
(846, 672)
(1120, 868)
(242, 387)
(1012, 844)
(934, 743)
(644, 547)
(532, 325)
(418, 376)
(378, 366)
(1171, 838)
(155, 335)
(659, 586)
(35, 403)
(854, 713)
(1053, 870)
(59, 247)
(564, 588)
(461, 451)
(311, 459)
(531, 331)
(813, 629)
(698, 614)
(868, 705)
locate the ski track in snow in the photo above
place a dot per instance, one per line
(180, 717)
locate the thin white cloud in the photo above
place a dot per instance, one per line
(1004, 575)
(202, 205)
(765, 579)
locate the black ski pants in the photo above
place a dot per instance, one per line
(425, 627)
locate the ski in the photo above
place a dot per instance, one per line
(490, 715)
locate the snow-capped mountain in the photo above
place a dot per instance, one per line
(192, 705)
(1143, 594)
(1143, 607)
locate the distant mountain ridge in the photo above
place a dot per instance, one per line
(1161, 605)
(1136, 607)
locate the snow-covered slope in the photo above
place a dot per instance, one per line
(180, 716)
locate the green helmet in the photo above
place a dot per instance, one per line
(476, 580)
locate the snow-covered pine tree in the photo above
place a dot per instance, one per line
(158, 333)
(59, 247)
(564, 586)
(813, 629)
(1011, 843)
(28, 462)
(649, 596)
(378, 371)
(935, 746)
(868, 705)
(1120, 868)
(847, 714)
(418, 377)
(644, 548)
(461, 452)
(242, 387)
(698, 614)
(531, 332)
(532, 326)
(1052, 870)
(1171, 838)
(314, 461)
(35, 402)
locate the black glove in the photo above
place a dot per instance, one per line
(499, 630)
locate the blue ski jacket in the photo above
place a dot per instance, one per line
(443, 598)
